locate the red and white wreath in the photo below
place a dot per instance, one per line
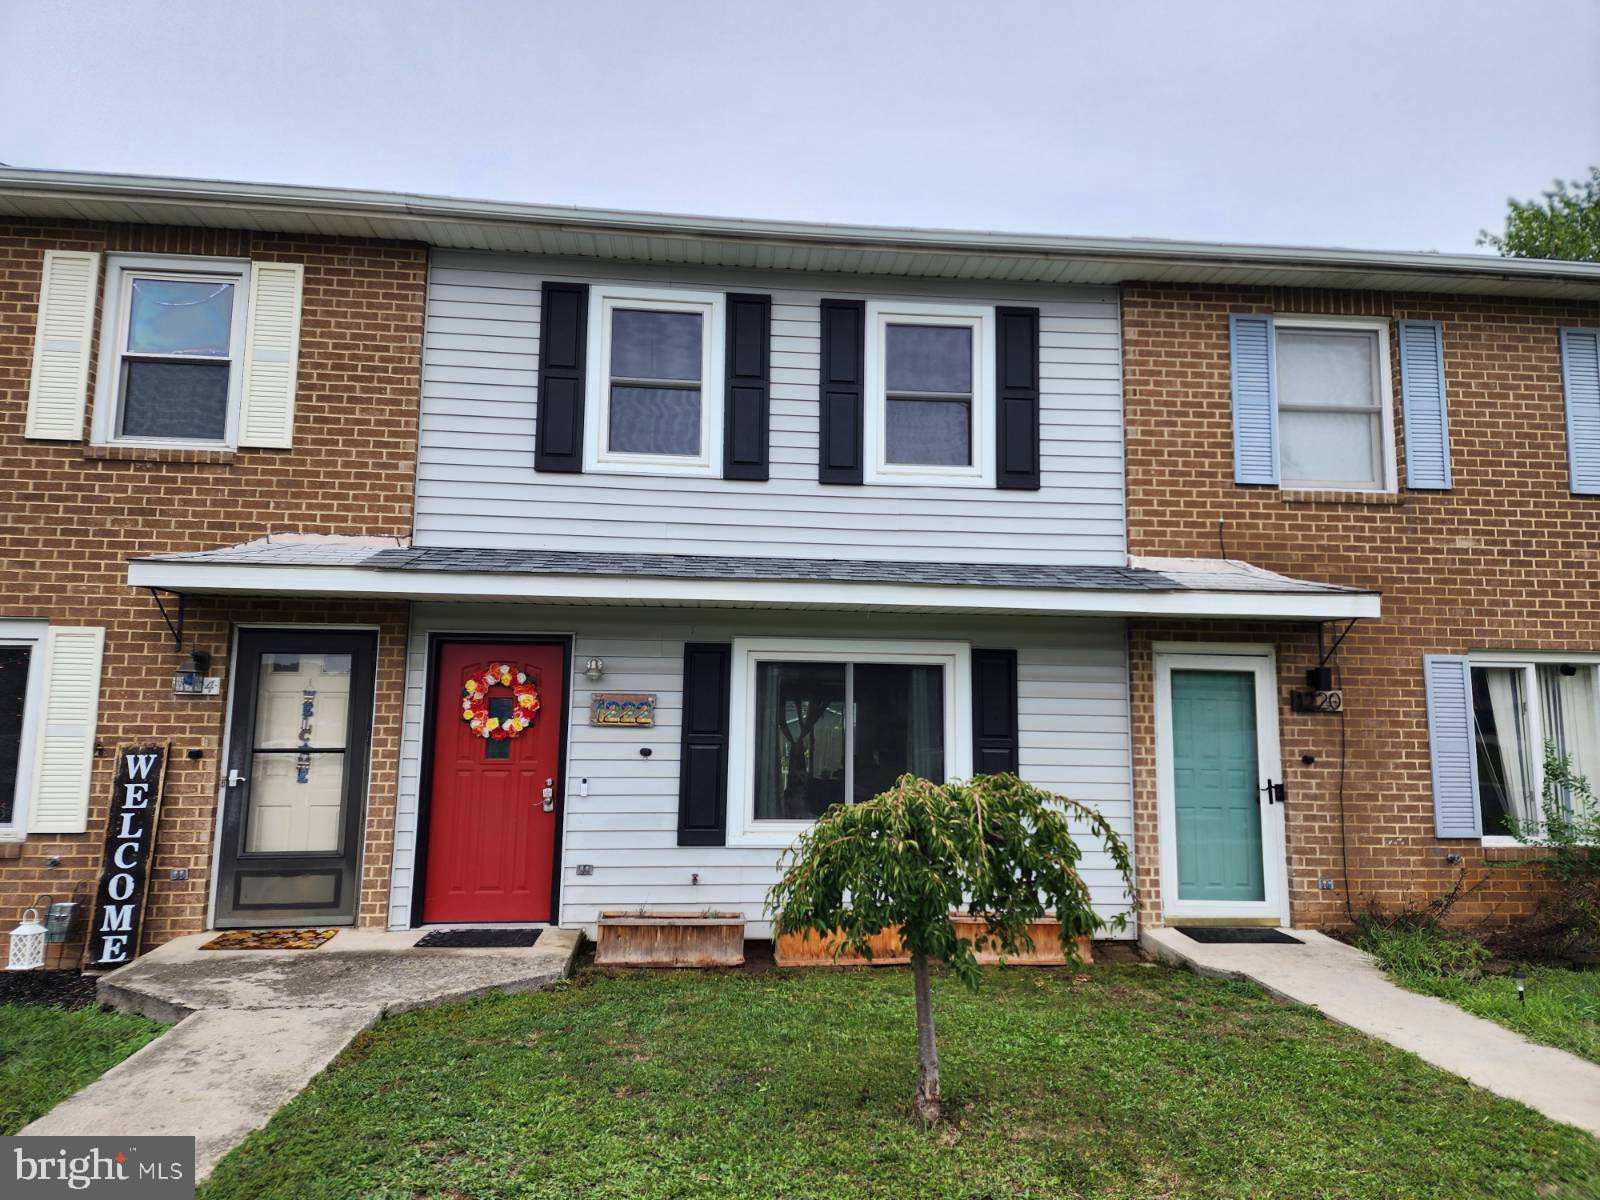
(475, 702)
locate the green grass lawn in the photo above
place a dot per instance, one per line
(1117, 1081)
(46, 1054)
(1562, 1007)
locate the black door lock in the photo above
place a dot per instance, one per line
(1274, 792)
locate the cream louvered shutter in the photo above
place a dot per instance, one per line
(59, 384)
(60, 801)
(271, 355)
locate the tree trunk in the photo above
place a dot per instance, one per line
(926, 1101)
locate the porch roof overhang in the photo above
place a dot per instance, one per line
(310, 566)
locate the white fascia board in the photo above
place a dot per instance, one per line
(155, 198)
(258, 579)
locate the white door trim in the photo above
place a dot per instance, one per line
(1261, 662)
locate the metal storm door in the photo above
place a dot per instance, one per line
(296, 778)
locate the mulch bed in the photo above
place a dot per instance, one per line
(269, 939)
(55, 989)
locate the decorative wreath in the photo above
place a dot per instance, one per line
(475, 702)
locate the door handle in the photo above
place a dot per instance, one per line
(547, 796)
(1274, 792)
(235, 778)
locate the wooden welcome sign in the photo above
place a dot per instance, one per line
(130, 844)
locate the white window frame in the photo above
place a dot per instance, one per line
(121, 269)
(981, 320)
(748, 653)
(1526, 661)
(1384, 384)
(31, 634)
(603, 299)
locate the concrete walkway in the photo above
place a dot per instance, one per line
(1350, 988)
(255, 1026)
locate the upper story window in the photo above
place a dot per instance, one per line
(655, 391)
(1519, 705)
(930, 414)
(1335, 424)
(173, 351)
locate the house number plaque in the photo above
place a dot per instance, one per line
(1330, 700)
(631, 710)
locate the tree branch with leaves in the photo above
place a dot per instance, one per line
(915, 855)
(1564, 223)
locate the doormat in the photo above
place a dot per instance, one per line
(1218, 935)
(477, 939)
(269, 939)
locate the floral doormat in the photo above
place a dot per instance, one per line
(269, 939)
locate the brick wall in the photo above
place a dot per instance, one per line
(72, 515)
(1508, 559)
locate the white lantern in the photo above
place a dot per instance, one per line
(27, 943)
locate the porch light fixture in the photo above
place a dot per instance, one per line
(27, 943)
(594, 670)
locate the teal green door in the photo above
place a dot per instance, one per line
(1216, 787)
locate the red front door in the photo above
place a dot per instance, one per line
(491, 836)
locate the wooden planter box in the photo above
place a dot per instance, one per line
(667, 939)
(809, 950)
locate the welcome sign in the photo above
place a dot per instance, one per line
(125, 868)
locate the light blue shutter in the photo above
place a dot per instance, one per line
(1448, 681)
(1580, 376)
(1422, 399)
(1255, 399)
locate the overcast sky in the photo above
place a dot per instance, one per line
(1402, 124)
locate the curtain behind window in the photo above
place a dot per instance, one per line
(1570, 717)
(1505, 760)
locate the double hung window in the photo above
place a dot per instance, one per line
(174, 354)
(656, 390)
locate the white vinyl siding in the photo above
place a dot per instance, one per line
(476, 485)
(1074, 731)
(65, 738)
(58, 384)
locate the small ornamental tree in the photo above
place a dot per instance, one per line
(912, 856)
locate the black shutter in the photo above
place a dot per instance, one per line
(1017, 394)
(747, 411)
(844, 336)
(563, 335)
(994, 712)
(703, 763)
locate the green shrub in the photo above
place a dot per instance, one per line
(1568, 835)
(1420, 949)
